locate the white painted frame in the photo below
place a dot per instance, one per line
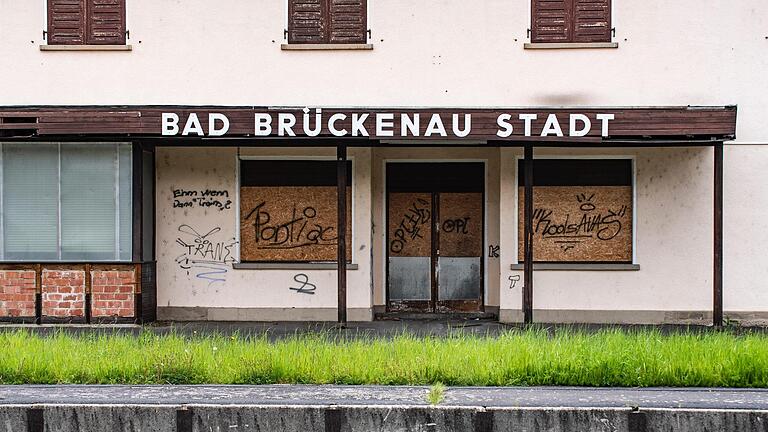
(368, 31)
(293, 157)
(45, 21)
(286, 20)
(632, 158)
(383, 202)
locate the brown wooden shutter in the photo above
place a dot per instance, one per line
(307, 21)
(551, 21)
(106, 22)
(348, 21)
(592, 21)
(66, 22)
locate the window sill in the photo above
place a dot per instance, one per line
(290, 266)
(86, 47)
(571, 45)
(580, 267)
(325, 47)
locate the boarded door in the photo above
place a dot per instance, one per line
(435, 237)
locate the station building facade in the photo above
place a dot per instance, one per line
(541, 161)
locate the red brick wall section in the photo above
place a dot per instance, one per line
(17, 293)
(112, 293)
(63, 293)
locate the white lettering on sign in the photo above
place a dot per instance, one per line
(170, 124)
(384, 124)
(574, 131)
(505, 126)
(285, 124)
(605, 118)
(212, 119)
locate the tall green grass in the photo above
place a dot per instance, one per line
(611, 357)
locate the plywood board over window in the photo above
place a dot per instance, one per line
(582, 211)
(289, 212)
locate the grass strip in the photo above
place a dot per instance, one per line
(532, 357)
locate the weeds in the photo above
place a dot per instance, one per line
(518, 357)
(436, 394)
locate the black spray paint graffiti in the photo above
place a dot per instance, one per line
(417, 215)
(306, 286)
(493, 251)
(600, 226)
(300, 230)
(207, 259)
(458, 226)
(514, 279)
(206, 198)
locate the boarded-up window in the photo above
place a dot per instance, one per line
(582, 210)
(327, 21)
(288, 211)
(564, 21)
(89, 22)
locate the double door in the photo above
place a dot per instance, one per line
(435, 237)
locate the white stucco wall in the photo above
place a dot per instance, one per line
(745, 238)
(443, 53)
(673, 239)
(247, 293)
(426, 53)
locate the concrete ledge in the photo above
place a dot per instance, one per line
(325, 47)
(86, 47)
(591, 45)
(178, 313)
(334, 408)
(557, 316)
(579, 267)
(398, 417)
(290, 266)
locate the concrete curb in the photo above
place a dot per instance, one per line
(356, 418)
(336, 408)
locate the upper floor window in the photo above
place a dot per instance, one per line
(570, 21)
(86, 22)
(327, 21)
